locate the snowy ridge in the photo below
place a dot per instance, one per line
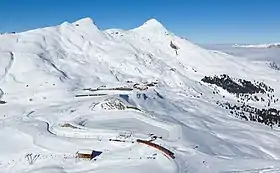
(261, 46)
(75, 87)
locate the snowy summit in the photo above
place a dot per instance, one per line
(74, 98)
(153, 24)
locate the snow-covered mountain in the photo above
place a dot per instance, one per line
(128, 93)
(270, 45)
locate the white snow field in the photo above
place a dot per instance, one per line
(73, 87)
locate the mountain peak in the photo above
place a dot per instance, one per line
(84, 21)
(152, 24)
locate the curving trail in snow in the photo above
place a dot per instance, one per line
(1, 93)
(6, 62)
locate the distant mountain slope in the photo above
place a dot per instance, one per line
(268, 46)
(98, 57)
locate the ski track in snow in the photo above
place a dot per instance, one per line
(144, 89)
(8, 65)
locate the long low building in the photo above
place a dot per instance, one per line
(161, 148)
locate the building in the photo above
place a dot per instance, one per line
(87, 154)
(156, 146)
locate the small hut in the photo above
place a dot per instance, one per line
(87, 154)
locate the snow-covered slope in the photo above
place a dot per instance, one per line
(73, 87)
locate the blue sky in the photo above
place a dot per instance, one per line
(201, 21)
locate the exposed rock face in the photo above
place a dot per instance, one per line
(274, 46)
(273, 65)
(112, 104)
(173, 46)
(2, 102)
(1, 93)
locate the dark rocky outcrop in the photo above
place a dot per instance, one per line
(2, 102)
(269, 116)
(273, 46)
(240, 87)
(273, 65)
